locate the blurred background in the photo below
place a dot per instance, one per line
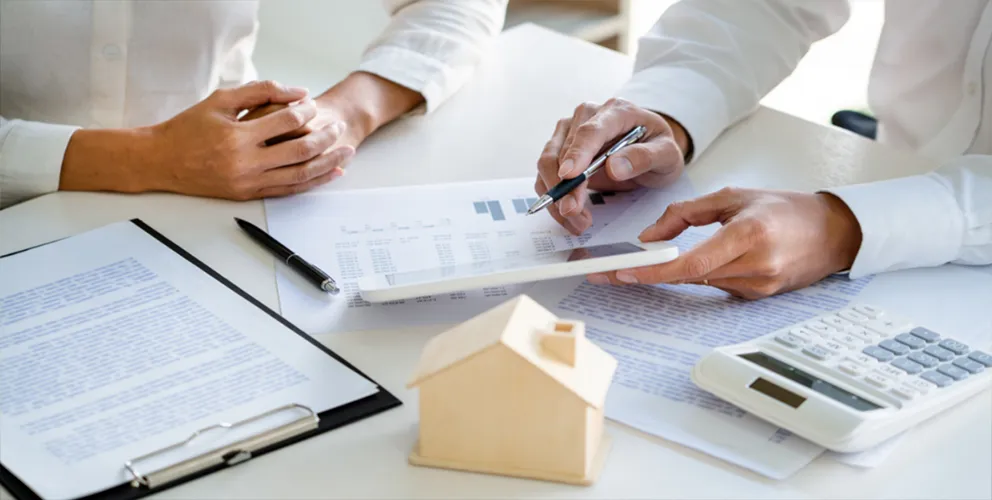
(332, 33)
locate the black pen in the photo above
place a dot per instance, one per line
(567, 185)
(311, 272)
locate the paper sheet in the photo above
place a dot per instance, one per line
(112, 346)
(658, 334)
(350, 234)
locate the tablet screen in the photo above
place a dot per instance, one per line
(494, 266)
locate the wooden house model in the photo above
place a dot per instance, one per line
(514, 391)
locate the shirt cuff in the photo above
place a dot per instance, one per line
(907, 222)
(688, 97)
(31, 160)
(415, 71)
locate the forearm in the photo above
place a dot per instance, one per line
(369, 101)
(106, 160)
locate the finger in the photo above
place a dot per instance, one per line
(254, 94)
(679, 216)
(576, 225)
(749, 288)
(573, 203)
(283, 121)
(583, 112)
(547, 164)
(275, 191)
(307, 171)
(652, 162)
(589, 138)
(301, 149)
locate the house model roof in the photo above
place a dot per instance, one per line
(517, 324)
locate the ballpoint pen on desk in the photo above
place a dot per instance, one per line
(567, 185)
(309, 271)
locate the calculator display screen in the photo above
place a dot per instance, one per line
(802, 378)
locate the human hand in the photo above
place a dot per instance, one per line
(770, 242)
(656, 161)
(206, 151)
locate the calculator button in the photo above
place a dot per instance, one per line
(939, 353)
(870, 311)
(969, 365)
(850, 340)
(939, 379)
(929, 336)
(908, 366)
(817, 352)
(836, 322)
(920, 385)
(790, 340)
(877, 380)
(926, 360)
(860, 359)
(954, 346)
(953, 371)
(802, 333)
(912, 341)
(878, 353)
(853, 316)
(835, 347)
(890, 371)
(820, 328)
(861, 333)
(897, 348)
(904, 392)
(851, 368)
(981, 357)
(888, 326)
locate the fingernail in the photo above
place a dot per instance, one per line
(567, 205)
(621, 167)
(598, 279)
(337, 172)
(626, 277)
(566, 167)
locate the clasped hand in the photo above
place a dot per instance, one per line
(769, 241)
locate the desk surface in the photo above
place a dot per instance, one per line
(495, 128)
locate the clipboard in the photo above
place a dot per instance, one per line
(308, 424)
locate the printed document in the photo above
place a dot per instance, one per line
(350, 234)
(658, 333)
(113, 346)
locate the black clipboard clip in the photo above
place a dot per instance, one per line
(231, 454)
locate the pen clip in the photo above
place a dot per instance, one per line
(633, 136)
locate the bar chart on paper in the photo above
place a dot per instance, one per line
(404, 229)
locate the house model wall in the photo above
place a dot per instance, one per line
(514, 391)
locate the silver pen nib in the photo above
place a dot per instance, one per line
(540, 204)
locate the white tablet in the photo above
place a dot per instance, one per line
(545, 266)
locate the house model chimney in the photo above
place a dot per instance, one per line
(560, 341)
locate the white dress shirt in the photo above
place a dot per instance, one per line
(66, 64)
(707, 63)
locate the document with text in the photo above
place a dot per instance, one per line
(112, 346)
(351, 234)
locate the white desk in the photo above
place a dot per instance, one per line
(495, 128)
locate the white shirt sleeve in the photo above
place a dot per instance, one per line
(707, 63)
(924, 220)
(432, 46)
(30, 158)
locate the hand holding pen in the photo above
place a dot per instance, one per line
(655, 160)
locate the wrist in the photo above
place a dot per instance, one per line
(843, 231)
(107, 160)
(367, 101)
(681, 137)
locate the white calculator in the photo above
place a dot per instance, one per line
(847, 380)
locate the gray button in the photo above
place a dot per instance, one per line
(953, 372)
(967, 364)
(929, 335)
(982, 358)
(911, 340)
(895, 347)
(908, 366)
(926, 360)
(818, 352)
(937, 378)
(878, 353)
(939, 353)
(954, 346)
(789, 340)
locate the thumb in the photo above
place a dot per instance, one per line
(257, 93)
(701, 211)
(654, 160)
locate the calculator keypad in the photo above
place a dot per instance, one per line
(884, 352)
